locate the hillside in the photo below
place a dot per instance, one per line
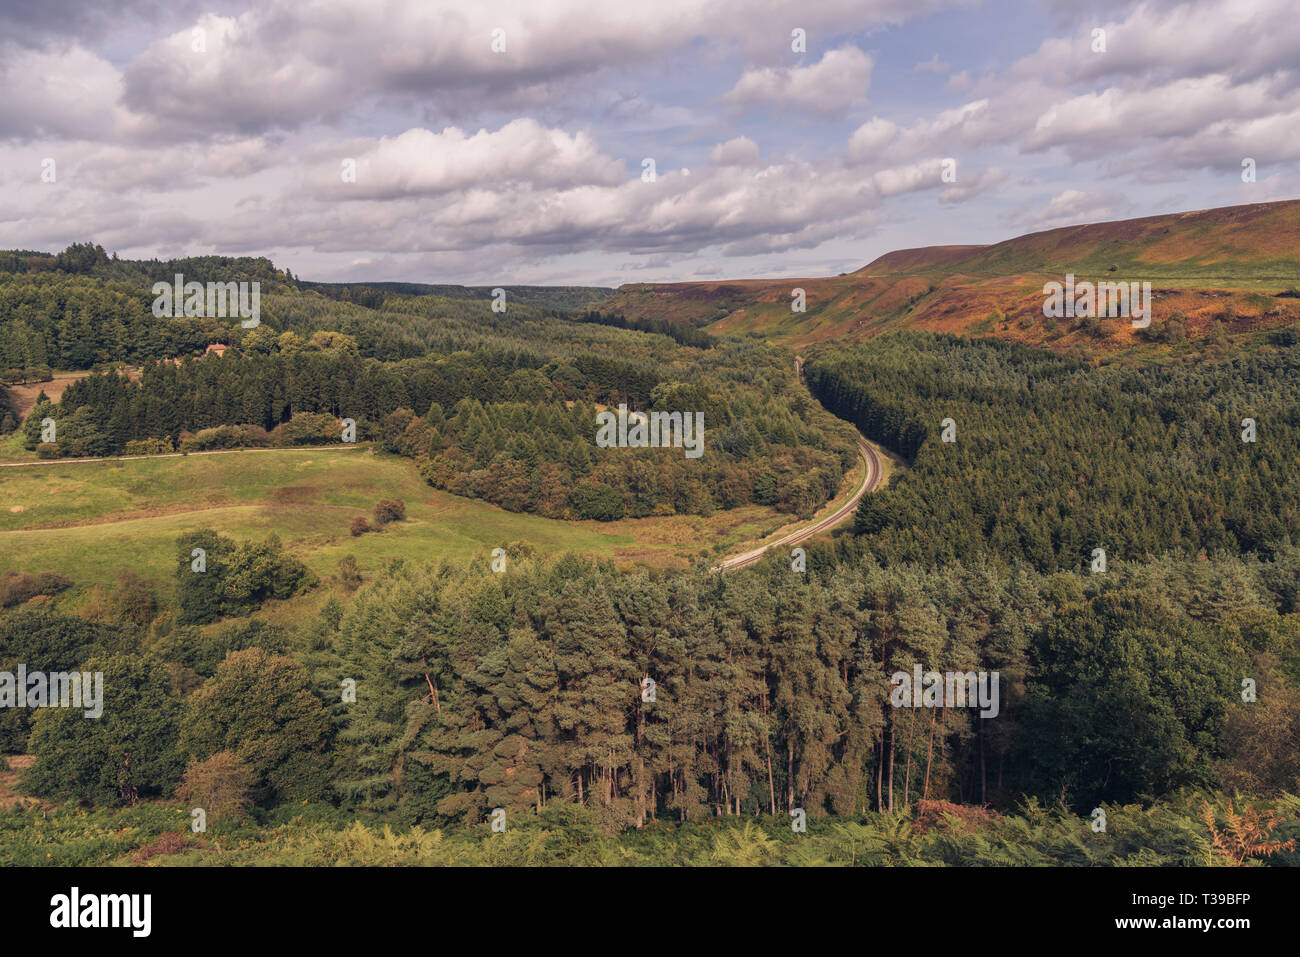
(560, 298)
(1229, 270)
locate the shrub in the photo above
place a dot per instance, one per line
(129, 755)
(202, 654)
(261, 707)
(148, 447)
(389, 510)
(600, 502)
(224, 437)
(221, 785)
(307, 428)
(238, 577)
(18, 587)
(164, 845)
(131, 602)
(259, 571)
(348, 570)
(359, 526)
(943, 814)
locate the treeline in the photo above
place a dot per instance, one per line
(771, 691)
(502, 424)
(375, 295)
(90, 259)
(678, 332)
(81, 309)
(1053, 458)
(8, 412)
(71, 321)
(540, 458)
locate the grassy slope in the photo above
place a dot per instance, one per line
(1197, 262)
(89, 519)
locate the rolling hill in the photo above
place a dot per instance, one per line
(1232, 270)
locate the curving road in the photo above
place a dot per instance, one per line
(874, 473)
(870, 482)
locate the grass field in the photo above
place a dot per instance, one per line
(87, 520)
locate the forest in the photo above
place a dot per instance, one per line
(477, 690)
(1159, 683)
(1054, 457)
(494, 406)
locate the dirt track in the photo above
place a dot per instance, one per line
(874, 473)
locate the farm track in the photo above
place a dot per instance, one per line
(874, 475)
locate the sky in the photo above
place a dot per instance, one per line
(502, 142)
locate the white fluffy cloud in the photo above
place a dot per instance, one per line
(1187, 84)
(1112, 120)
(1070, 207)
(880, 140)
(421, 162)
(829, 87)
(1165, 40)
(470, 159)
(284, 64)
(741, 151)
(69, 93)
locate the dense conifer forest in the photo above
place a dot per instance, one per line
(522, 688)
(498, 406)
(1054, 457)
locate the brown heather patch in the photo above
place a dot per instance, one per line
(166, 844)
(24, 396)
(941, 814)
(296, 493)
(973, 281)
(9, 796)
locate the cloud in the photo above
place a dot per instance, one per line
(959, 82)
(51, 21)
(829, 87)
(741, 151)
(1070, 207)
(470, 161)
(968, 187)
(869, 140)
(69, 93)
(1159, 41)
(933, 65)
(928, 174)
(526, 190)
(423, 163)
(1098, 124)
(649, 262)
(283, 64)
(880, 140)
